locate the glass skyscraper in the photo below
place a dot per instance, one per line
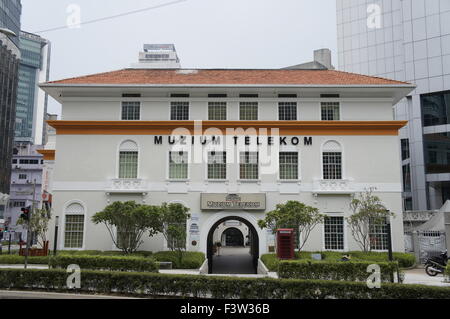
(10, 11)
(407, 40)
(31, 101)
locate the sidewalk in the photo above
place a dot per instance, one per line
(418, 276)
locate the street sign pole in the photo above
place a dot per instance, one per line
(28, 225)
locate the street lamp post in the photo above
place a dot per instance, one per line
(389, 242)
(55, 242)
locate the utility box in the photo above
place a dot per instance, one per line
(285, 243)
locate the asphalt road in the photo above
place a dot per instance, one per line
(233, 261)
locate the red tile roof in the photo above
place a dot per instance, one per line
(228, 77)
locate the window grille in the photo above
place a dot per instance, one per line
(248, 166)
(288, 165)
(131, 111)
(287, 111)
(332, 165)
(330, 111)
(217, 165)
(334, 233)
(248, 111)
(179, 111)
(178, 165)
(217, 111)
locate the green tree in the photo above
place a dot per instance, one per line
(368, 211)
(173, 221)
(127, 222)
(296, 215)
(38, 224)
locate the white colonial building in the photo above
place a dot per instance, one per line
(228, 144)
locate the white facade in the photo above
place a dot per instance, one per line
(406, 40)
(86, 172)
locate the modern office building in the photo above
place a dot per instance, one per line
(228, 144)
(407, 40)
(26, 185)
(158, 56)
(10, 12)
(31, 101)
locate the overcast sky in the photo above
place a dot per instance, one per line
(206, 33)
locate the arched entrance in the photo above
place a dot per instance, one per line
(253, 242)
(233, 237)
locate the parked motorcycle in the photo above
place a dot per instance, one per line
(436, 265)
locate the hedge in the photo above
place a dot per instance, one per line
(331, 270)
(190, 260)
(151, 284)
(120, 263)
(404, 260)
(16, 259)
(447, 272)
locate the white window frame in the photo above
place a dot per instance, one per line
(212, 100)
(239, 168)
(382, 250)
(340, 110)
(293, 100)
(63, 226)
(168, 167)
(322, 150)
(344, 232)
(180, 100)
(257, 110)
(226, 168)
(140, 109)
(298, 167)
(138, 158)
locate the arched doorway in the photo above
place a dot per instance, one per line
(253, 242)
(233, 237)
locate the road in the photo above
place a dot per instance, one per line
(418, 276)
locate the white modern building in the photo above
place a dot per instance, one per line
(158, 56)
(230, 145)
(407, 40)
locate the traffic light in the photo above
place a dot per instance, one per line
(25, 213)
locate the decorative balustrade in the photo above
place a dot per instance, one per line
(127, 185)
(418, 216)
(333, 187)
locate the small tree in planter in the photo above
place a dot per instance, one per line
(127, 222)
(38, 224)
(368, 211)
(296, 215)
(173, 220)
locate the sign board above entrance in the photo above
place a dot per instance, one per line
(233, 201)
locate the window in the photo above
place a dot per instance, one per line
(332, 160)
(378, 235)
(287, 111)
(179, 111)
(128, 160)
(184, 95)
(217, 95)
(405, 149)
(248, 111)
(407, 178)
(217, 111)
(74, 226)
(436, 149)
(289, 165)
(124, 238)
(330, 111)
(14, 161)
(334, 233)
(19, 204)
(131, 111)
(436, 108)
(22, 176)
(332, 165)
(248, 166)
(248, 96)
(178, 165)
(287, 96)
(217, 165)
(328, 96)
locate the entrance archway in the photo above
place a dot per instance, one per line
(253, 241)
(233, 237)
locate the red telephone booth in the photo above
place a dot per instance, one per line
(285, 243)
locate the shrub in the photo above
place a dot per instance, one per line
(191, 259)
(326, 270)
(16, 259)
(151, 284)
(404, 260)
(120, 263)
(447, 272)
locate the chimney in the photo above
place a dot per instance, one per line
(323, 56)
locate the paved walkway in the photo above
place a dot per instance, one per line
(233, 260)
(420, 277)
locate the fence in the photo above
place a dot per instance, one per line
(425, 244)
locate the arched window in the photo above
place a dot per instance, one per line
(74, 226)
(332, 160)
(128, 160)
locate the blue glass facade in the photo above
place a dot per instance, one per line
(10, 12)
(30, 65)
